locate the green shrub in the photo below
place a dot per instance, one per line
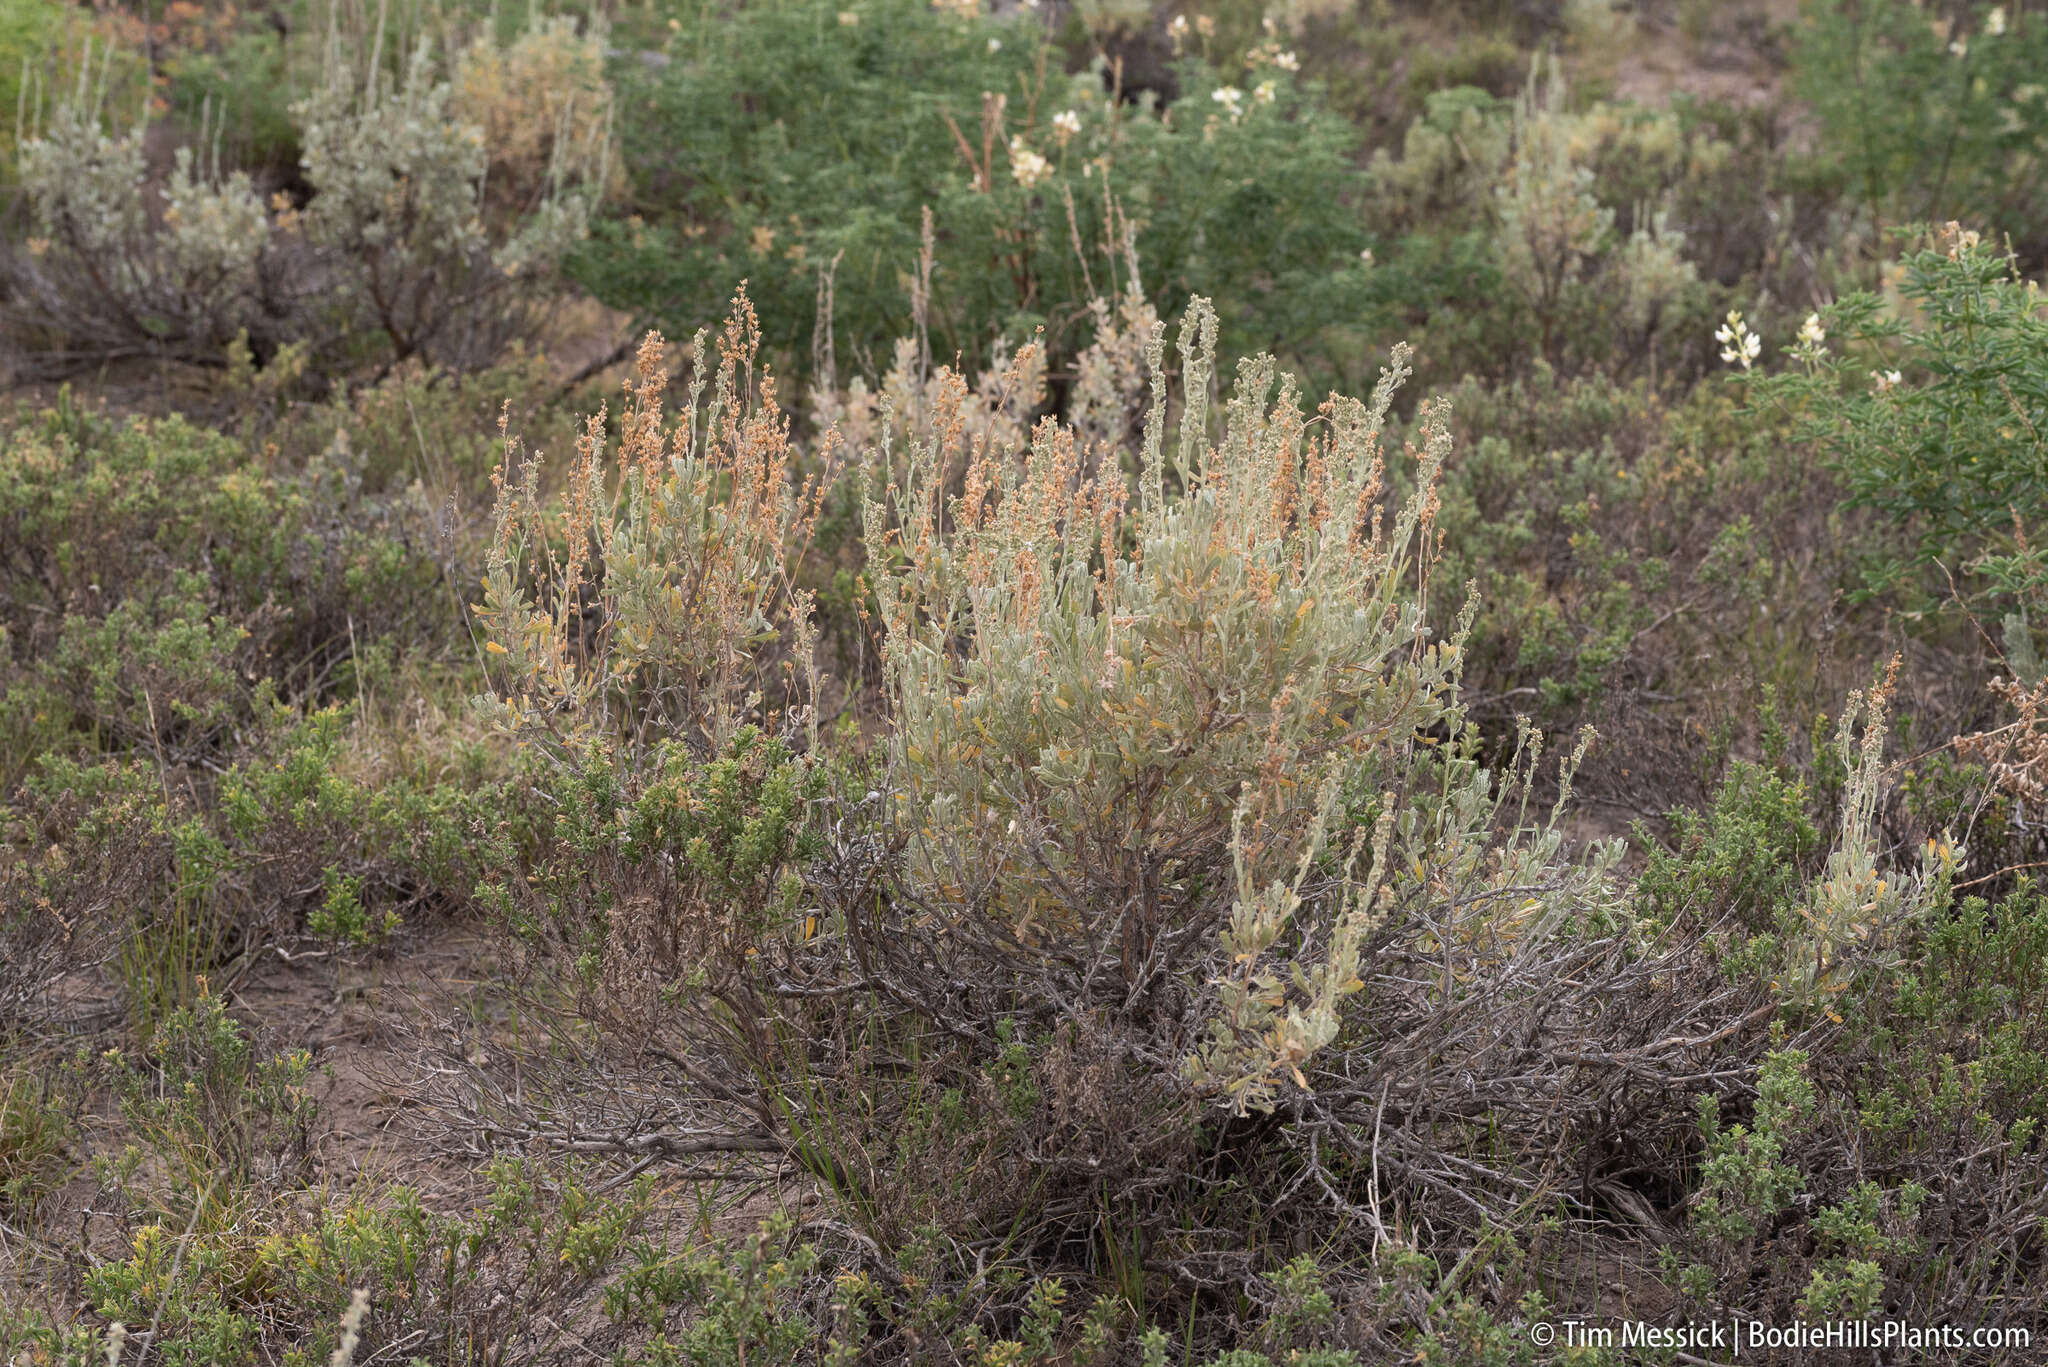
(1938, 1057)
(296, 836)
(1540, 513)
(1933, 407)
(672, 876)
(488, 1287)
(818, 134)
(1747, 860)
(1932, 115)
(155, 572)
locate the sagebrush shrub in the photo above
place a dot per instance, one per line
(1555, 223)
(660, 602)
(1130, 740)
(396, 254)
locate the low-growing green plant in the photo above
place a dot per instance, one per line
(35, 1128)
(1747, 860)
(155, 572)
(1539, 512)
(731, 1304)
(485, 1288)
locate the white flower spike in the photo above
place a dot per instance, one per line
(1739, 346)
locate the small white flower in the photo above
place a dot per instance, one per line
(1366, 256)
(1263, 93)
(1067, 123)
(1885, 379)
(1287, 61)
(1026, 165)
(1231, 98)
(995, 45)
(1811, 332)
(1994, 22)
(1959, 48)
(1739, 346)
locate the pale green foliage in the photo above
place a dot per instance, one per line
(395, 250)
(400, 208)
(994, 410)
(1555, 234)
(1550, 222)
(695, 625)
(397, 174)
(1450, 162)
(1541, 187)
(81, 181)
(1109, 375)
(1856, 903)
(192, 282)
(1124, 733)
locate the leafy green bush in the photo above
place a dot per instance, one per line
(486, 1287)
(672, 876)
(1742, 859)
(154, 573)
(1851, 1167)
(1933, 406)
(1539, 513)
(1931, 115)
(818, 134)
(296, 836)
